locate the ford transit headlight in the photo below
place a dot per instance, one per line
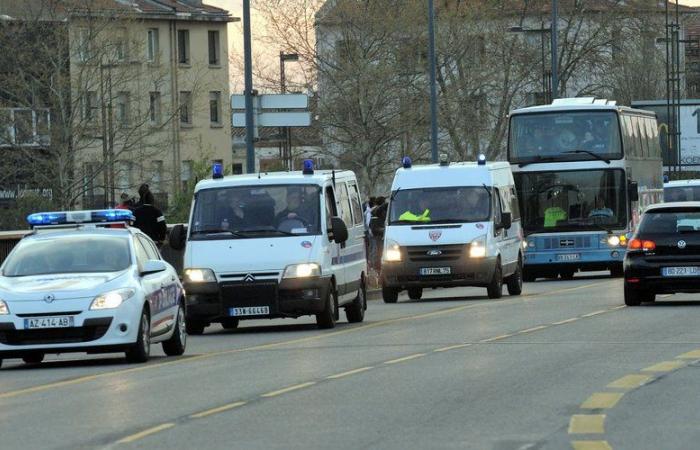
(392, 252)
(112, 299)
(302, 271)
(477, 248)
(200, 276)
(4, 310)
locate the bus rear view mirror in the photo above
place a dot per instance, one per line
(633, 191)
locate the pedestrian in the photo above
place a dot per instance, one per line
(126, 202)
(148, 218)
(377, 227)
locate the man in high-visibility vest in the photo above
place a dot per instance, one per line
(409, 216)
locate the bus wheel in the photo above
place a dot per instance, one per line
(567, 274)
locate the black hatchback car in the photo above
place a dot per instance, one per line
(663, 257)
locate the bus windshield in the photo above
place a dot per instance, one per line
(572, 200)
(564, 136)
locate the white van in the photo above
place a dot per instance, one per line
(452, 225)
(270, 245)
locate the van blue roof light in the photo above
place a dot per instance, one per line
(406, 162)
(217, 171)
(481, 160)
(308, 168)
(78, 217)
(444, 160)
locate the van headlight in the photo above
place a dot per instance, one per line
(392, 252)
(200, 276)
(4, 310)
(306, 270)
(477, 248)
(112, 299)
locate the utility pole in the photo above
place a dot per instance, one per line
(555, 61)
(248, 62)
(433, 83)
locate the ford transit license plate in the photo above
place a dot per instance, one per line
(691, 271)
(38, 323)
(250, 311)
(435, 270)
(569, 257)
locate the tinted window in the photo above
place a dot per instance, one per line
(670, 222)
(141, 253)
(344, 201)
(440, 205)
(682, 194)
(356, 204)
(151, 250)
(68, 255)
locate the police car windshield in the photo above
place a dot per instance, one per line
(242, 212)
(79, 254)
(440, 205)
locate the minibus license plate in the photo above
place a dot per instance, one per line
(435, 270)
(692, 271)
(569, 257)
(48, 322)
(250, 311)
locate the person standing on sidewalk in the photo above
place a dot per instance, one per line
(148, 218)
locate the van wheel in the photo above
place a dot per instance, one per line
(390, 295)
(195, 327)
(495, 288)
(230, 324)
(415, 293)
(355, 311)
(34, 358)
(515, 281)
(326, 319)
(175, 346)
(140, 351)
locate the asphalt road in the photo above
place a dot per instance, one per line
(562, 366)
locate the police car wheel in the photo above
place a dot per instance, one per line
(415, 293)
(34, 358)
(495, 288)
(229, 324)
(355, 312)
(140, 351)
(390, 295)
(326, 319)
(175, 346)
(515, 281)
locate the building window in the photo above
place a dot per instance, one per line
(186, 171)
(183, 46)
(214, 59)
(85, 46)
(123, 176)
(215, 108)
(154, 108)
(186, 107)
(153, 50)
(90, 106)
(156, 176)
(122, 108)
(121, 47)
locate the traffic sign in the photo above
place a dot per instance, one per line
(275, 119)
(273, 101)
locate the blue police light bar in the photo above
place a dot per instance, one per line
(308, 167)
(406, 162)
(79, 217)
(481, 160)
(217, 171)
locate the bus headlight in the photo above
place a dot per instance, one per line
(614, 241)
(392, 252)
(477, 248)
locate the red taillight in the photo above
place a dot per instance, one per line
(648, 245)
(638, 244)
(635, 244)
(633, 280)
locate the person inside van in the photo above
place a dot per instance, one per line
(232, 215)
(477, 204)
(423, 216)
(297, 209)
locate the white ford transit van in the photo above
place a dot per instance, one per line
(272, 245)
(452, 225)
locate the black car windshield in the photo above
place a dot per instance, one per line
(670, 221)
(256, 211)
(440, 205)
(681, 193)
(564, 136)
(572, 200)
(79, 254)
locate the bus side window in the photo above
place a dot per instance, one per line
(643, 142)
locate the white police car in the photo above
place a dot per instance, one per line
(84, 281)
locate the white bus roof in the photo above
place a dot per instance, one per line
(319, 177)
(454, 174)
(579, 104)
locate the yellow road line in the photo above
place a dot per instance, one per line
(595, 313)
(587, 424)
(217, 410)
(405, 358)
(349, 372)
(562, 322)
(296, 387)
(451, 347)
(630, 381)
(666, 366)
(591, 445)
(145, 433)
(602, 400)
(530, 330)
(695, 354)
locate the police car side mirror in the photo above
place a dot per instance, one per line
(153, 266)
(339, 230)
(506, 220)
(633, 191)
(177, 236)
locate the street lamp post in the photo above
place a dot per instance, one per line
(248, 75)
(555, 56)
(433, 83)
(285, 132)
(541, 31)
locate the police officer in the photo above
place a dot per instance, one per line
(148, 218)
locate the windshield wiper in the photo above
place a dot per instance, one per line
(216, 231)
(265, 230)
(588, 152)
(538, 159)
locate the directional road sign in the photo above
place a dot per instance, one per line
(275, 119)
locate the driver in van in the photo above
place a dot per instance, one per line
(295, 207)
(233, 216)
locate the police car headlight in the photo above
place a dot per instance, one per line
(112, 299)
(392, 252)
(200, 276)
(4, 310)
(302, 271)
(477, 248)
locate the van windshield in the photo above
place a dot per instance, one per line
(457, 204)
(256, 211)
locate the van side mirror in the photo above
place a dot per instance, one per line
(506, 220)
(153, 266)
(633, 191)
(177, 236)
(339, 230)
